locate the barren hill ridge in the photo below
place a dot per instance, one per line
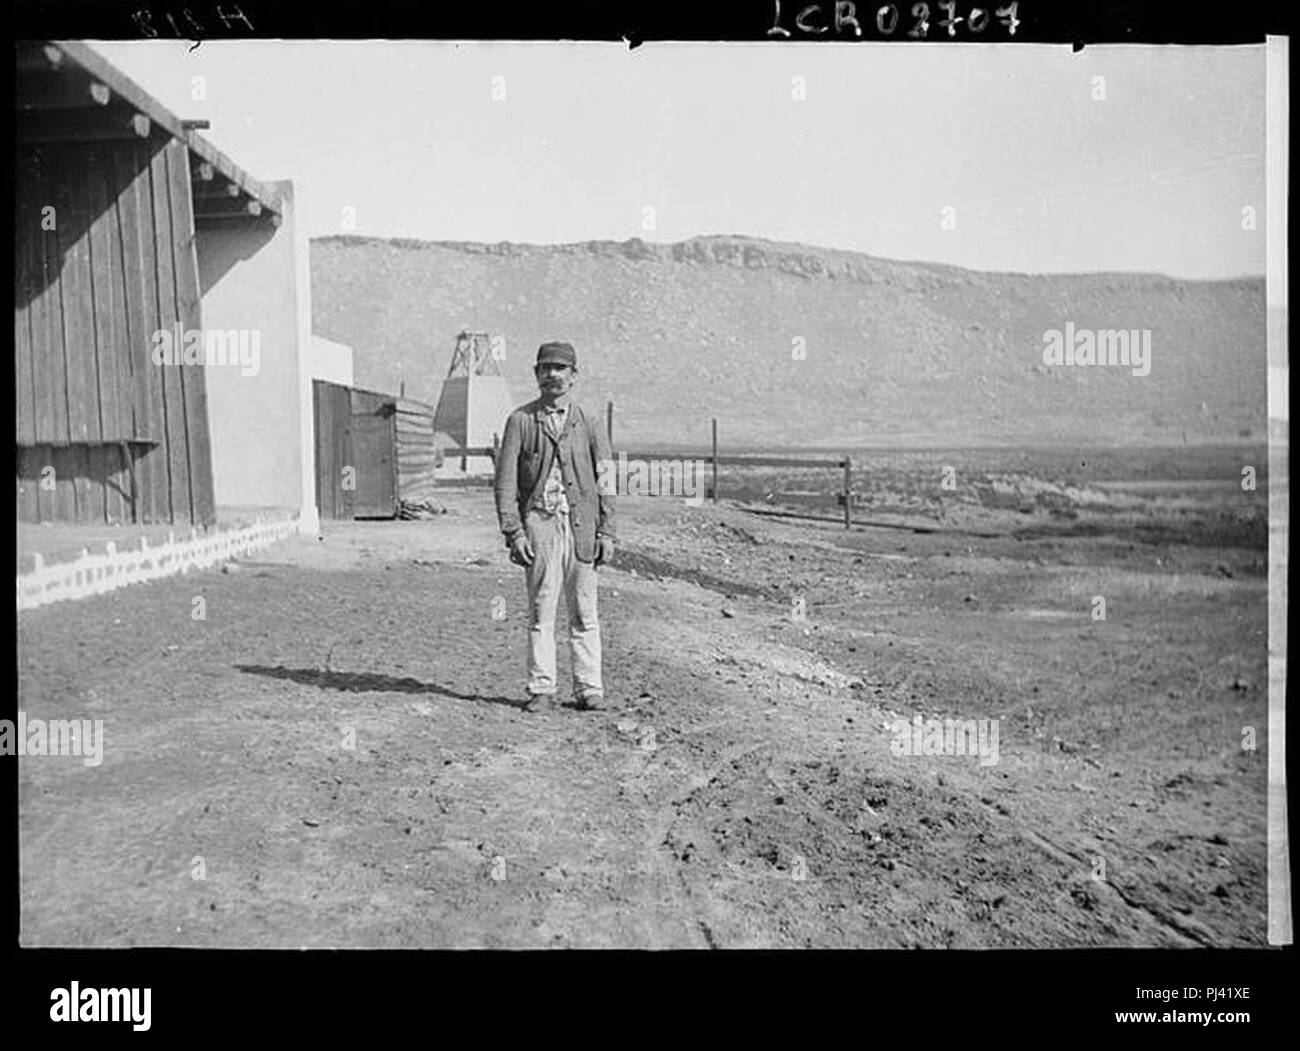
(790, 345)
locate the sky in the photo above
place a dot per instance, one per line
(993, 157)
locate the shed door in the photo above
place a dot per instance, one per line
(373, 444)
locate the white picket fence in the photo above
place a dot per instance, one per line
(95, 574)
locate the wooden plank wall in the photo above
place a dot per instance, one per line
(373, 449)
(116, 265)
(416, 459)
(333, 428)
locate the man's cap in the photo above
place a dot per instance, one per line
(563, 353)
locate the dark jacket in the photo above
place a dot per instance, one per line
(524, 461)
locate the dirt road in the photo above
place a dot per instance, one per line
(337, 749)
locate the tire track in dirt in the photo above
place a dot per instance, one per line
(1188, 933)
(669, 819)
(725, 736)
(699, 733)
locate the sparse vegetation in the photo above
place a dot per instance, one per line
(897, 354)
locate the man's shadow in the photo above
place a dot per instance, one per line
(370, 682)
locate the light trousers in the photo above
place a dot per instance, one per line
(556, 568)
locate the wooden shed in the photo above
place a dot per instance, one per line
(374, 452)
(113, 195)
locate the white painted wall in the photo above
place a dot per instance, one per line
(253, 276)
(331, 361)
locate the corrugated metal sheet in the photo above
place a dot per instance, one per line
(417, 458)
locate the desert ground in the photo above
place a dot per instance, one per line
(338, 749)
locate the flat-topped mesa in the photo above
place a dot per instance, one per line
(821, 346)
(713, 250)
(804, 262)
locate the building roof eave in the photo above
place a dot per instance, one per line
(243, 196)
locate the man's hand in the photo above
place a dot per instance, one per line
(521, 551)
(604, 550)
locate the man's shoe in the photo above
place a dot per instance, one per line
(591, 702)
(538, 702)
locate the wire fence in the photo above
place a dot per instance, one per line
(651, 466)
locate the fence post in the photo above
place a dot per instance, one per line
(609, 422)
(715, 459)
(848, 492)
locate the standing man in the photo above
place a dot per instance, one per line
(555, 505)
